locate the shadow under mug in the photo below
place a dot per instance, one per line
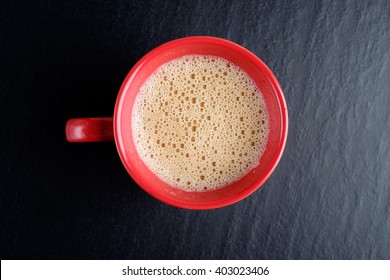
(119, 127)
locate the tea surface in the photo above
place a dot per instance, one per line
(200, 123)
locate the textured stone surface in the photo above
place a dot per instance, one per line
(329, 198)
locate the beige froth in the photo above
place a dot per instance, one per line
(200, 123)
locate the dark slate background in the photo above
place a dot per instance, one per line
(329, 198)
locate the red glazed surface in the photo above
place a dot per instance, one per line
(263, 78)
(89, 130)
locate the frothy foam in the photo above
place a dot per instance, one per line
(200, 123)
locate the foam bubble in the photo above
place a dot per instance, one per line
(200, 123)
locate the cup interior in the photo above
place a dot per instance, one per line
(264, 80)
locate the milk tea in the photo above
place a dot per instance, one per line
(199, 123)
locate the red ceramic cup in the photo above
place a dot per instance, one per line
(119, 127)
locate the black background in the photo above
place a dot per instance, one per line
(329, 197)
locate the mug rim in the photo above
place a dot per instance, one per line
(207, 40)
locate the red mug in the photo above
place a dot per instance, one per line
(119, 127)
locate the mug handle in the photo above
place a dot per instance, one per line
(89, 130)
